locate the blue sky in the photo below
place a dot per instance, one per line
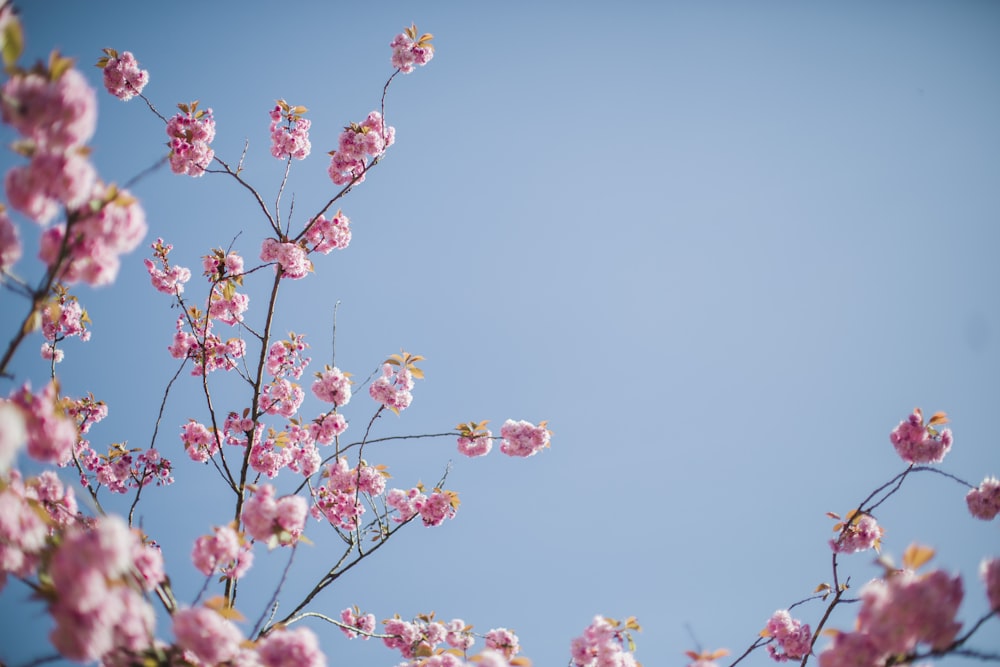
(723, 248)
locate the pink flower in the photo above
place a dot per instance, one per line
(208, 635)
(122, 76)
(326, 428)
(291, 648)
(169, 279)
(281, 397)
(917, 443)
(792, 638)
(10, 243)
(476, 445)
(49, 181)
(289, 132)
(906, 609)
(984, 502)
(13, 434)
(393, 389)
(332, 386)
(851, 649)
(190, 132)
(54, 114)
(200, 442)
(353, 618)
(97, 238)
(276, 520)
(504, 641)
(357, 143)
(326, 235)
(284, 358)
(859, 533)
(218, 551)
(521, 438)
(409, 50)
(290, 258)
(51, 433)
(989, 572)
(439, 506)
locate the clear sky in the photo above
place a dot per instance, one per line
(722, 247)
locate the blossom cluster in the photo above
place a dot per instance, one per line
(357, 143)
(168, 279)
(858, 532)
(984, 501)
(422, 637)
(392, 388)
(289, 258)
(409, 50)
(289, 132)
(99, 574)
(277, 521)
(62, 317)
(791, 640)
(208, 351)
(190, 132)
(123, 469)
(330, 234)
(338, 500)
(897, 614)
(224, 551)
(208, 637)
(603, 644)
(521, 438)
(55, 112)
(917, 443)
(122, 76)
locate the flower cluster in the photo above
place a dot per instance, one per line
(123, 469)
(357, 143)
(285, 359)
(919, 443)
(332, 386)
(275, 520)
(790, 639)
(338, 501)
(190, 132)
(95, 237)
(409, 50)
(290, 258)
(208, 351)
(984, 501)
(392, 388)
(289, 132)
(989, 572)
(10, 242)
(224, 551)
(50, 433)
(521, 438)
(54, 109)
(168, 279)
(474, 439)
(433, 509)
(122, 76)
(604, 643)
(858, 532)
(29, 510)
(898, 613)
(422, 636)
(62, 317)
(354, 620)
(92, 569)
(329, 234)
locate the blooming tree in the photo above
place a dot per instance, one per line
(288, 472)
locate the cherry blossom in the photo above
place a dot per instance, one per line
(122, 76)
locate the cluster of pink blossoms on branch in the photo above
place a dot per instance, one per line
(122, 76)
(190, 132)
